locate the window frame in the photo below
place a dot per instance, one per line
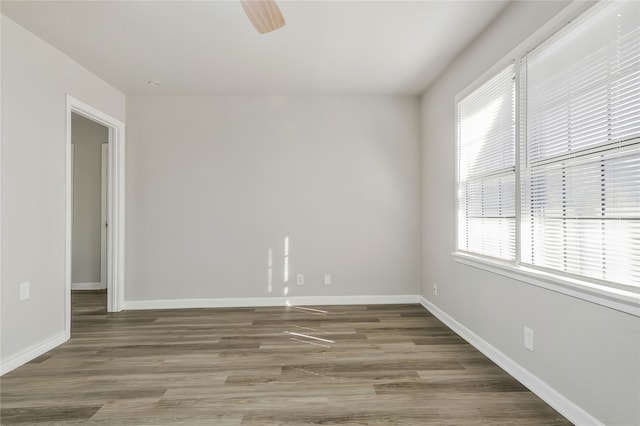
(611, 295)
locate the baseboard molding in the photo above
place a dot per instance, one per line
(555, 399)
(269, 301)
(87, 286)
(32, 353)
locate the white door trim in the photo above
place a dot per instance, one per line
(72, 189)
(104, 176)
(115, 203)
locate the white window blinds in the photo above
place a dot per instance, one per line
(580, 182)
(486, 168)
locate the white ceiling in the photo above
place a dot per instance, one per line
(210, 48)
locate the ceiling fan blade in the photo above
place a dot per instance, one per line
(263, 14)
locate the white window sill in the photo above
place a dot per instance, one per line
(618, 299)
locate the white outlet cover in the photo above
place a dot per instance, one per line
(327, 279)
(25, 290)
(528, 338)
(300, 279)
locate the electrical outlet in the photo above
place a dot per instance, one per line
(327, 279)
(300, 279)
(528, 338)
(435, 289)
(25, 290)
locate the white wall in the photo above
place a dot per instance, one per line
(214, 182)
(588, 353)
(87, 137)
(35, 80)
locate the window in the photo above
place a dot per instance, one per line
(579, 155)
(486, 168)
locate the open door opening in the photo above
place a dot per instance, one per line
(89, 204)
(95, 205)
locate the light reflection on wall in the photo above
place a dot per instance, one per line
(270, 270)
(286, 259)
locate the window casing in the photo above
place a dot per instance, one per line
(577, 172)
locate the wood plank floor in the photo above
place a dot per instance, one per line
(349, 365)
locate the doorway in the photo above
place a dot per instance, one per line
(89, 141)
(105, 267)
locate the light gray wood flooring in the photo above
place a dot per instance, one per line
(347, 365)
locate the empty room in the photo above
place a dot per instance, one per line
(320, 212)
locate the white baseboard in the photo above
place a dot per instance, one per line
(87, 286)
(555, 399)
(269, 301)
(32, 353)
